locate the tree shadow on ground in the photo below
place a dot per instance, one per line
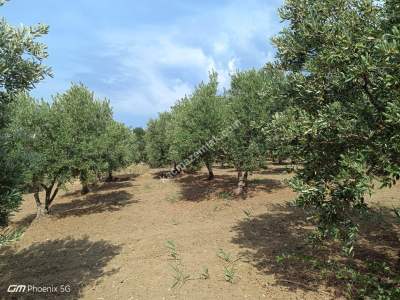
(93, 204)
(113, 185)
(270, 170)
(86, 205)
(25, 221)
(118, 182)
(125, 177)
(197, 188)
(268, 238)
(275, 171)
(265, 184)
(74, 262)
(160, 174)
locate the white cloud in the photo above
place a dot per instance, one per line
(159, 65)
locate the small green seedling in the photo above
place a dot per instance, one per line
(225, 195)
(247, 213)
(180, 277)
(205, 275)
(172, 249)
(229, 273)
(224, 255)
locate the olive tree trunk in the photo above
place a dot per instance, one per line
(242, 183)
(110, 176)
(175, 171)
(84, 182)
(43, 208)
(210, 171)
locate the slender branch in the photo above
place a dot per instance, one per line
(37, 199)
(371, 97)
(54, 193)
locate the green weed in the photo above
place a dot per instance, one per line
(229, 273)
(11, 236)
(172, 249)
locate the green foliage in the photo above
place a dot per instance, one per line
(20, 69)
(225, 195)
(342, 63)
(156, 140)
(375, 280)
(173, 252)
(73, 136)
(20, 61)
(118, 147)
(229, 273)
(11, 236)
(84, 120)
(140, 144)
(229, 265)
(9, 203)
(253, 98)
(196, 119)
(224, 255)
(379, 281)
(180, 277)
(41, 144)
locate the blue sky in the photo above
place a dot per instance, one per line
(144, 55)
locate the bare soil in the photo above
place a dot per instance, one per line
(111, 243)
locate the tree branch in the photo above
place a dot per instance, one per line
(54, 193)
(37, 199)
(371, 97)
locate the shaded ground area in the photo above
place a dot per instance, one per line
(68, 264)
(111, 243)
(276, 244)
(89, 204)
(198, 188)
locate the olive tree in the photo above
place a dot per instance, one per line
(196, 119)
(342, 60)
(85, 119)
(251, 102)
(41, 144)
(21, 68)
(156, 139)
(119, 147)
(140, 133)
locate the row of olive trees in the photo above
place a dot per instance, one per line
(74, 136)
(330, 102)
(45, 145)
(198, 118)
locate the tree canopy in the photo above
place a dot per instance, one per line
(252, 100)
(342, 61)
(196, 119)
(41, 143)
(85, 119)
(21, 67)
(157, 144)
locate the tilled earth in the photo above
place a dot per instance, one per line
(187, 238)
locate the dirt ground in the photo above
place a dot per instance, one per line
(112, 243)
